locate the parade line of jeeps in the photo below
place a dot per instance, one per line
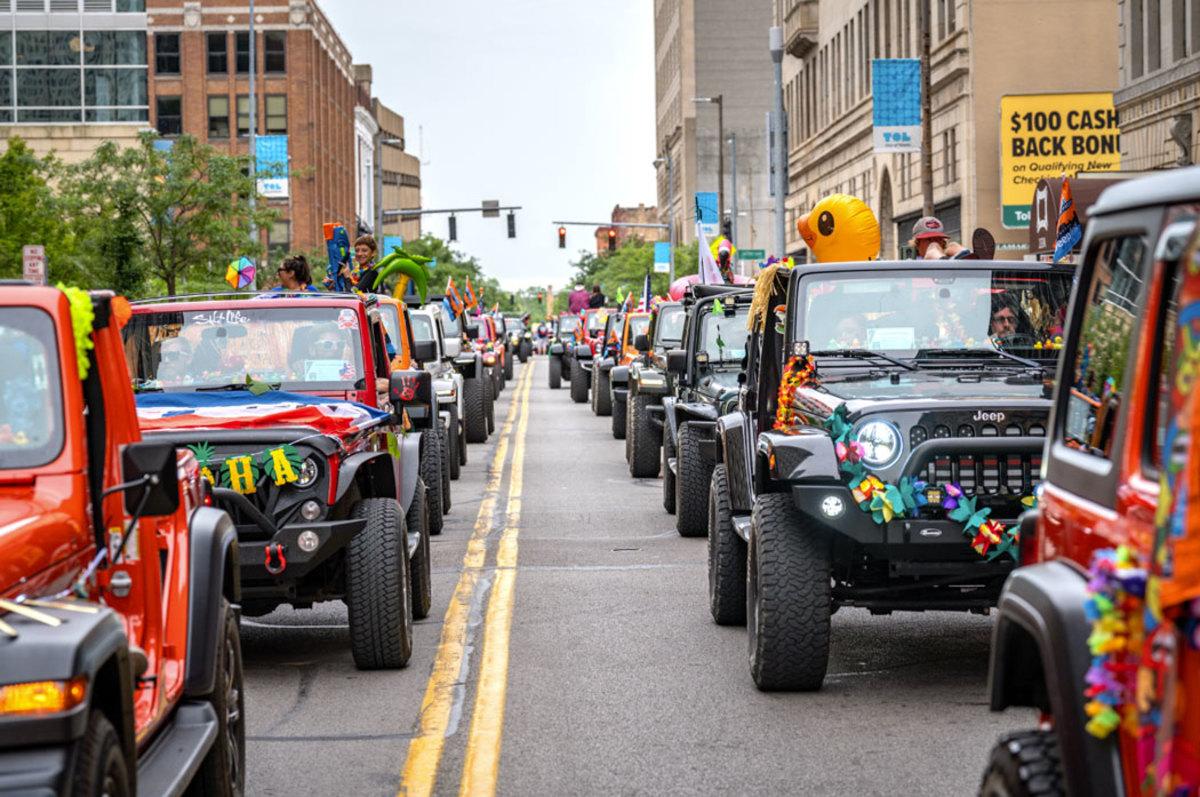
(1002, 437)
(170, 466)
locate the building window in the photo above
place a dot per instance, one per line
(1179, 25)
(243, 115)
(166, 53)
(951, 23)
(276, 107)
(168, 116)
(1153, 35)
(950, 155)
(114, 48)
(48, 48)
(241, 42)
(218, 116)
(275, 51)
(278, 239)
(218, 53)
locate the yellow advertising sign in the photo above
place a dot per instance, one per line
(1045, 135)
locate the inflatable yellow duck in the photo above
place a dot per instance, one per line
(840, 229)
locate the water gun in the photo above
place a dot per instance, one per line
(337, 245)
(409, 268)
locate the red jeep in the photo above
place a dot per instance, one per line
(120, 661)
(310, 444)
(1098, 631)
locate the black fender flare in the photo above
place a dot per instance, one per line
(213, 574)
(91, 644)
(735, 449)
(607, 364)
(373, 472)
(681, 412)
(583, 352)
(410, 468)
(807, 457)
(469, 364)
(1040, 657)
(619, 375)
(670, 427)
(556, 349)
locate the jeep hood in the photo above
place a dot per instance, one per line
(965, 388)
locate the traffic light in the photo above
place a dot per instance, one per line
(453, 229)
(540, 297)
(512, 224)
(562, 237)
(612, 240)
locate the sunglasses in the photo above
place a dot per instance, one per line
(327, 345)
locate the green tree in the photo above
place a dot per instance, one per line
(186, 207)
(456, 265)
(31, 213)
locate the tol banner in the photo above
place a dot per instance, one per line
(706, 209)
(1047, 135)
(896, 83)
(662, 257)
(270, 157)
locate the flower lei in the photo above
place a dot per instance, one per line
(83, 317)
(884, 502)
(799, 372)
(1116, 589)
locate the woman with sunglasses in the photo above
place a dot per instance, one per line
(295, 276)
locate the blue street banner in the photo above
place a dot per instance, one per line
(389, 243)
(896, 87)
(706, 211)
(271, 158)
(662, 257)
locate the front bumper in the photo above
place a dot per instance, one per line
(258, 580)
(36, 772)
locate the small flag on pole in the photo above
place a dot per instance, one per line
(1069, 229)
(709, 273)
(646, 295)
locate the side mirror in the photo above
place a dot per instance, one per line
(641, 343)
(424, 350)
(677, 361)
(453, 347)
(155, 463)
(471, 331)
(411, 391)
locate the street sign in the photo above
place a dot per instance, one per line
(491, 208)
(752, 254)
(34, 258)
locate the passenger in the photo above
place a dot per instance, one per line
(361, 274)
(851, 331)
(577, 299)
(597, 299)
(932, 243)
(295, 276)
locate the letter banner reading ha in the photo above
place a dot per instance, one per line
(1047, 135)
(896, 83)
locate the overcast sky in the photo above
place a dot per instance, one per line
(546, 104)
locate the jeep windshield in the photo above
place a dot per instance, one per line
(31, 410)
(390, 315)
(595, 321)
(449, 323)
(294, 348)
(567, 325)
(638, 325)
(983, 317)
(670, 326)
(422, 327)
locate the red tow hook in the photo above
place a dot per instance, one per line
(272, 569)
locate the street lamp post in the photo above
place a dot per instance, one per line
(775, 44)
(720, 102)
(733, 189)
(670, 212)
(253, 139)
(379, 142)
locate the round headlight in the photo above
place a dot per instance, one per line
(308, 473)
(880, 442)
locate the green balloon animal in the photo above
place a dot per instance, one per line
(409, 268)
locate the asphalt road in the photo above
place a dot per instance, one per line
(587, 662)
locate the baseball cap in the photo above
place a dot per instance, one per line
(928, 227)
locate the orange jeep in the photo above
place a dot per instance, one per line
(120, 660)
(1098, 629)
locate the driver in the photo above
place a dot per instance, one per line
(327, 345)
(1008, 324)
(175, 360)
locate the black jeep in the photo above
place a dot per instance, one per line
(889, 470)
(606, 358)
(561, 347)
(648, 382)
(706, 374)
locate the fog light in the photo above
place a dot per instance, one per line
(832, 506)
(310, 510)
(308, 541)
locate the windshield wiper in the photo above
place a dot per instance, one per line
(934, 354)
(864, 354)
(230, 386)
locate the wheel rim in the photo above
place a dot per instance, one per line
(233, 714)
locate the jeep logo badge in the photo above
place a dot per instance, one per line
(930, 532)
(996, 417)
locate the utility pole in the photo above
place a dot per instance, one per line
(775, 44)
(733, 189)
(670, 210)
(926, 112)
(720, 102)
(253, 139)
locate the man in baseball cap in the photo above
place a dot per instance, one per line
(929, 236)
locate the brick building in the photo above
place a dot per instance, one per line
(199, 57)
(401, 178)
(631, 215)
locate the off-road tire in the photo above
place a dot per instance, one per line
(223, 771)
(555, 372)
(457, 449)
(726, 556)
(1024, 764)
(501, 377)
(592, 392)
(508, 363)
(524, 350)
(692, 476)
(787, 597)
(378, 587)
(579, 382)
(489, 403)
(447, 456)
(604, 403)
(668, 475)
(619, 412)
(643, 439)
(475, 407)
(100, 764)
(419, 566)
(431, 474)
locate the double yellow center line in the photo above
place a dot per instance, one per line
(450, 665)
